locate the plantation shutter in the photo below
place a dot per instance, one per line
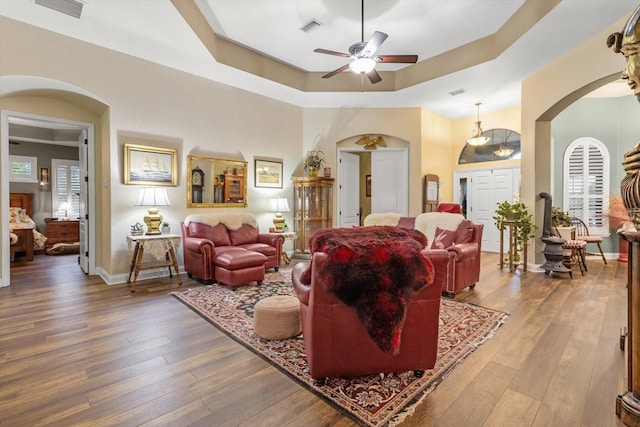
(66, 186)
(586, 196)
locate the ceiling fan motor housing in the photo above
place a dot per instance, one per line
(356, 50)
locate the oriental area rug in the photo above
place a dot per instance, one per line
(372, 400)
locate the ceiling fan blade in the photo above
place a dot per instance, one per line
(374, 77)
(334, 72)
(332, 52)
(405, 59)
(374, 43)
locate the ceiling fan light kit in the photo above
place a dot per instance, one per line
(362, 65)
(476, 136)
(363, 55)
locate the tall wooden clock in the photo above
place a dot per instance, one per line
(197, 185)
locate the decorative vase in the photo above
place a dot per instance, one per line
(312, 172)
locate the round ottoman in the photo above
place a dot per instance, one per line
(277, 317)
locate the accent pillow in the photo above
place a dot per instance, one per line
(442, 239)
(464, 234)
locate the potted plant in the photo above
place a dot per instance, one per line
(559, 218)
(165, 228)
(313, 162)
(516, 212)
(562, 222)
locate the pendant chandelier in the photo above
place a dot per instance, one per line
(503, 151)
(476, 137)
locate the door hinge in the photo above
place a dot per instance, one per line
(86, 179)
(86, 253)
(86, 141)
(86, 216)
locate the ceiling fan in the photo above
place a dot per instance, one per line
(363, 55)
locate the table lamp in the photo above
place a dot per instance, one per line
(65, 207)
(278, 206)
(153, 196)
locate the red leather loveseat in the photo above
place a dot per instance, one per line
(459, 236)
(336, 341)
(228, 248)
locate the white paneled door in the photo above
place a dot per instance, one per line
(486, 189)
(349, 189)
(390, 181)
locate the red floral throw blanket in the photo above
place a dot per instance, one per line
(376, 270)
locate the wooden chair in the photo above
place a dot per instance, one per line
(582, 233)
(573, 251)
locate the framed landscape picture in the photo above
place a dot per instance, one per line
(268, 174)
(150, 166)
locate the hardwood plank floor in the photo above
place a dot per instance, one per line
(74, 351)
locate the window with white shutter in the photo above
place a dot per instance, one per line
(65, 186)
(586, 183)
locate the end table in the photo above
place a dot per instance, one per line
(161, 246)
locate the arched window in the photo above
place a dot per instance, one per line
(504, 145)
(586, 183)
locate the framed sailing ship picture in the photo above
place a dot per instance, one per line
(150, 166)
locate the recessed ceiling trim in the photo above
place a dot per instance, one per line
(463, 57)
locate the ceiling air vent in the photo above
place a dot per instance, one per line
(68, 7)
(457, 92)
(310, 25)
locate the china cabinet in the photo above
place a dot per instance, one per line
(312, 208)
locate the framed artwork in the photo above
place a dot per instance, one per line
(150, 166)
(367, 186)
(44, 178)
(268, 174)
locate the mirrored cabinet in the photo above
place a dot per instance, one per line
(312, 208)
(216, 182)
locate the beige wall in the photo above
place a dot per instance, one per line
(149, 101)
(548, 92)
(324, 128)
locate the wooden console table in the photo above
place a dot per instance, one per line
(628, 403)
(513, 247)
(161, 246)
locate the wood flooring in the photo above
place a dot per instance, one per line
(77, 352)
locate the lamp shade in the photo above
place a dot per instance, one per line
(67, 208)
(153, 196)
(278, 205)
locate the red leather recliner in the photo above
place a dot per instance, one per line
(336, 342)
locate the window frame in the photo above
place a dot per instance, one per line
(32, 178)
(55, 206)
(585, 143)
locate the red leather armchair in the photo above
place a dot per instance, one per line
(465, 246)
(336, 342)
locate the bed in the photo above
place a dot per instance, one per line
(22, 229)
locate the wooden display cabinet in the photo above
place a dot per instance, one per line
(312, 208)
(233, 188)
(58, 231)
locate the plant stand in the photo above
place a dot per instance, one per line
(513, 247)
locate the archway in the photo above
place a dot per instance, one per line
(24, 96)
